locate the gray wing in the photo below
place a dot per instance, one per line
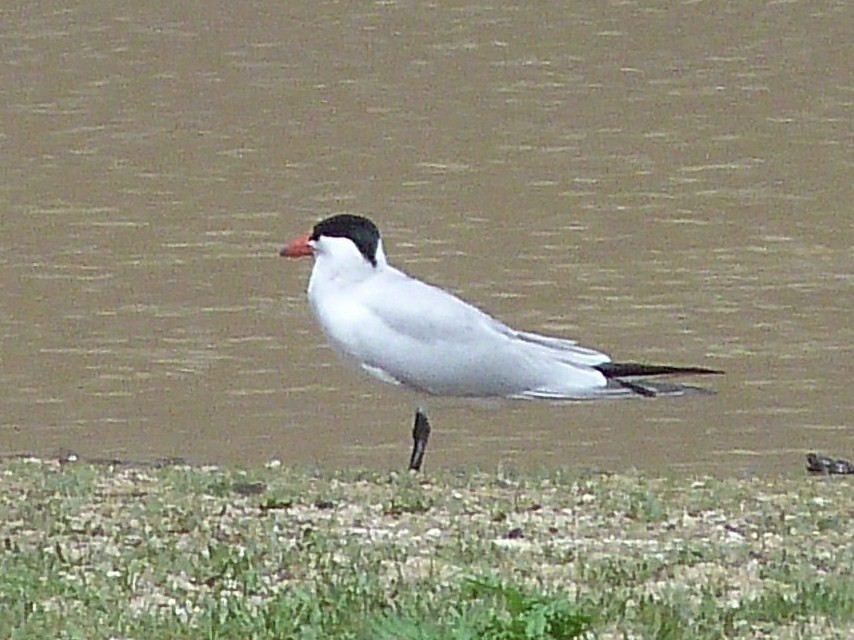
(429, 314)
(436, 342)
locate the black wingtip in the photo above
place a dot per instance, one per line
(631, 369)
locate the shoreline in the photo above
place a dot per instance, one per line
(815, 464)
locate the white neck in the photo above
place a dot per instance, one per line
(338, 264)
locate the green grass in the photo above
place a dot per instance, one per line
(487, 609)
(99, 552)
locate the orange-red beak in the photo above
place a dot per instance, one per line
(298, 248)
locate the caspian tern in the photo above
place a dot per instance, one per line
(406, 332)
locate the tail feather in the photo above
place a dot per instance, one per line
(649, 389)
(630, 369)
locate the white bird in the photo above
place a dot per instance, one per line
(406, 332)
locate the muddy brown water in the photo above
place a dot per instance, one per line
(666, 184)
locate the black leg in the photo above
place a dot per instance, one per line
(420, 436)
